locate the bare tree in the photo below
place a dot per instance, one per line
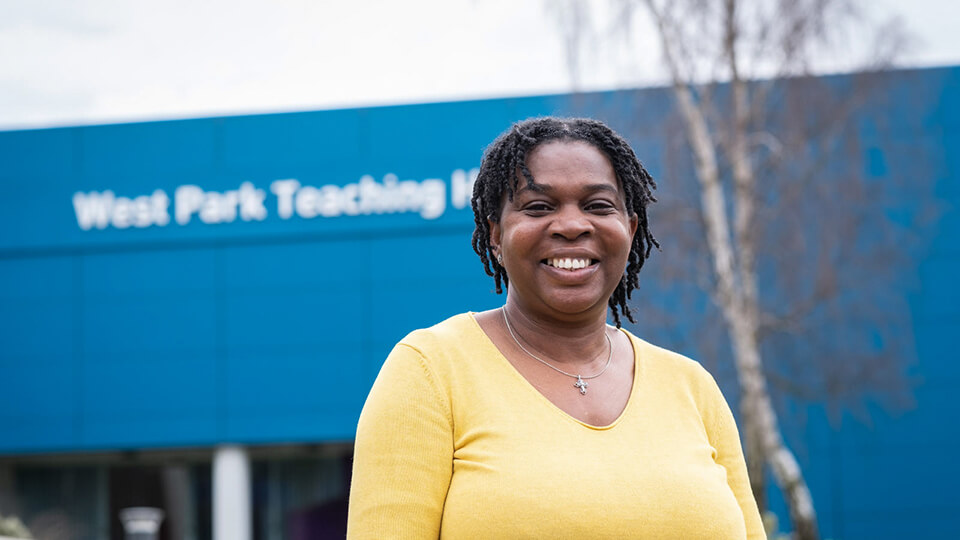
(759, 148)
(573, 19)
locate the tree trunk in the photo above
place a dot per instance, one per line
(736, 290)
(756, 406)
(744, 210)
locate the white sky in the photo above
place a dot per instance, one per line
(68, 62)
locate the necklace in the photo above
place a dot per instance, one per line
(581, 384)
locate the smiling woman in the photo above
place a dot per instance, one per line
(564, 238)
(537, 419)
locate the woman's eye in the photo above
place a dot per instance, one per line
(537, 207)
(600, 206)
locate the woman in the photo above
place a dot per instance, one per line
(537, 419)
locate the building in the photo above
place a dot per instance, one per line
(192, 311)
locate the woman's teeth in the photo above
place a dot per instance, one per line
(569, 264)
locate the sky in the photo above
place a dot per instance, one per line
(80, 62)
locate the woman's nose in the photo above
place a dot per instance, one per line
(570, 223)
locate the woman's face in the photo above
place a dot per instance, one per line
(565, 241)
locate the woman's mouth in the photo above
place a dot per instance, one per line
(569, 263)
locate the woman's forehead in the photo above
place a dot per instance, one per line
(572, 153)
(568, 163)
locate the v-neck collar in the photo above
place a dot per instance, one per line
(501, 358)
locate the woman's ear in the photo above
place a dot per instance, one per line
(634, 222)
(494, 236)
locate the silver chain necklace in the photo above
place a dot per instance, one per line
(581, 384)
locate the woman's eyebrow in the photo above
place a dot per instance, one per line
(533, 186)
(602, 187)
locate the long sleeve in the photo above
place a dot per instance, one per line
(724, 437)
(403, 458)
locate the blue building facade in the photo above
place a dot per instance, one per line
(169, 288)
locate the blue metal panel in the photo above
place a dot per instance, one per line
(154, 396)
(320, 386)
(171, 322)
(936, 341)
(430, 132)
(940, 297)
(271, 329)
(38, 368)
(305, 140)
(28, 154)
(148, 272)
(444, 270)
(37, 326)
(38, 401)
(137, 155)
(316, 264)
(928, 522)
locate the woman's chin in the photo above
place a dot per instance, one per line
(577, 307)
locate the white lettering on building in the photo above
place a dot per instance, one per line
(102, 209)
(428, 198)
(461, 187)
(215, 207)
(366, 197)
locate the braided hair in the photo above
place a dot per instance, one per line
(506, 159)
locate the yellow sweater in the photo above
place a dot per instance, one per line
(453, 442)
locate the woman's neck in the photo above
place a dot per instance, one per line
(576, 340)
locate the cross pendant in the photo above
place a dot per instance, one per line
(582, 385)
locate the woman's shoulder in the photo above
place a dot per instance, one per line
(451, 352)
(449, 344)
(458, 329)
